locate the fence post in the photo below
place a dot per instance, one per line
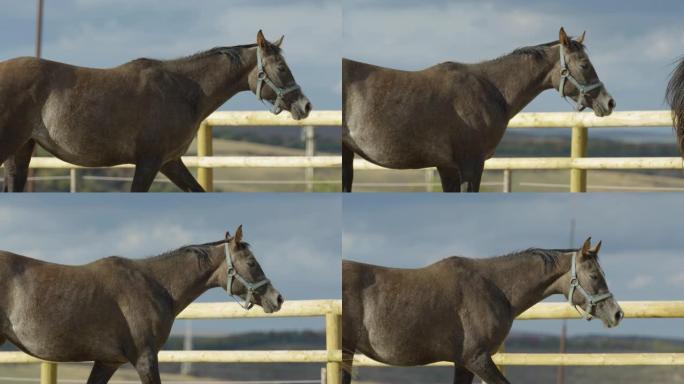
(48, 373)
(429, 179)
(309, 150)
(578, 149)
(73, 180)
(333, 343)
(205, 176)
(323, 375)
(507, 180)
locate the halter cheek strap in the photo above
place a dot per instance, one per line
(591, 300)
(582, 88)
(234, 275)
(262, 78)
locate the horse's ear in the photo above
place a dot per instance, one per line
(563, 38)
(586, 246)
(261, 40)
(596, 248)
(581, 38)
(279, 41)
(238, 235)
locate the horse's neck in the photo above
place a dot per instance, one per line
(183, 275)
(520, 77)
(526, 280)
(218, 80)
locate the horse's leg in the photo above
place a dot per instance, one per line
(347, 168)
(101, 373)
(16, 168)
(484, 367)
(347, 365)
(148, 368)
(451, 179)
(462, 375)
(144, 176)
(475, 176)
(179, 174)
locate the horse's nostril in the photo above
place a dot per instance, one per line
(308, 107)
(611, 103)
(619, 315)
(280, 300)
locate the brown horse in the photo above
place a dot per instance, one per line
(461, 309)
(116, 310)
(452, 115)
(145, 112)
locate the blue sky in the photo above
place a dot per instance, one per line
(295, 237)
(641, 253)
(106, 33)
(631, 43)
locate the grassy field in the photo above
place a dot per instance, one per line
(522, 181)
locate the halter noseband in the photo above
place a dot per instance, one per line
(262, 77)
(591, 300)
(233, 274)
(566, 75)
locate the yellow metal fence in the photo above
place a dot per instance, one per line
(332, 355)
(578, 163)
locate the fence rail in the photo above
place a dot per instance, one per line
(332, 355)
(578, 163)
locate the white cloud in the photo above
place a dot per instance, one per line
(640, 281)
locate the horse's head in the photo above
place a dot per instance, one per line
(576, 77)
(273, 81)
(244, 277)
(588, 288)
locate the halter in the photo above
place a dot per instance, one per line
(262, 77)
(233, 274)
(566, 75)
(592, 300)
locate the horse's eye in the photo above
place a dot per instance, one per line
(251, 263)
(593, 276)
(281, 69)
(584, 66)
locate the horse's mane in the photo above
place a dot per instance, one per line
(201, 251)
(548, 256)
(540, 51)
(675, 98)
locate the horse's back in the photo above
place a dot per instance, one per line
(415, 119)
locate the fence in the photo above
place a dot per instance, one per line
(332, 356)
(578, 163)
(205, 162)
(330, 309)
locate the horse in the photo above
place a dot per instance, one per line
(460, 309)
(674, 95)
(117, 310)
(145, 112)
(453, 115)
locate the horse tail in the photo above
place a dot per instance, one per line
(675, 98)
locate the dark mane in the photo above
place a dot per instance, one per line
(674, 96)
(539, 52)
(201, 251)
(548, 256)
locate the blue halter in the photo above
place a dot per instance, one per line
(582, 88)
(591, 300)
(278, 105)
(233, 274)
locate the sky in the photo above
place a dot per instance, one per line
(106, 33)
(641, 252)
(295, 238)
(632, 43)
